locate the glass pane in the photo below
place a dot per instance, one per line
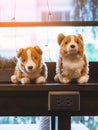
(84, 123)
(48, 10)
(24, 123)
(14, 38)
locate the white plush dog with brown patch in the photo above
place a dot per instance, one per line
(72, 62)
(30, 66)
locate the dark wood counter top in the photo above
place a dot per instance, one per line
(32, 99)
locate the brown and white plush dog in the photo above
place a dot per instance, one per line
(30, 66)
(72, 62)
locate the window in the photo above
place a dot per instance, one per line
(19, 122)
(13, 38)
(24, 122)
(24, 23)
(45, 10)
(84, 122)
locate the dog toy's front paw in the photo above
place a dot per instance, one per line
(56, 77)
(25, 80)
(64, 80)
(83, 79)
(14, 79)
(40, 79)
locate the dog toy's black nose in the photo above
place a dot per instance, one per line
(72, 46)
(30, 67)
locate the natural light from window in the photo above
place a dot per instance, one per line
(48, 10)
(13, 38)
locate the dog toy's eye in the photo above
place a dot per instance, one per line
(35, 58)
(23, 60)
(77, 42)
(66, 42)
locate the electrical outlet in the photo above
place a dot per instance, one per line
(63, 101)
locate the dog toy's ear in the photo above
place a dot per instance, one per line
(60, 38)
(38, 49)
(19, 53)
(80, 36)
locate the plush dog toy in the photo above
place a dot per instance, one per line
(72, 63)
(29, 66)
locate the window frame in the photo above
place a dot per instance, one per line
(55, 23)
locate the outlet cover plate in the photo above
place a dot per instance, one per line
(64, 101)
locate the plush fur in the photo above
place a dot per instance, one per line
(72, 63)
(30, 66)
